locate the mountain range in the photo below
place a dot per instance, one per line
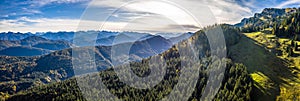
(267, 16)
(51, 60)
(262, 62)
(18, 44)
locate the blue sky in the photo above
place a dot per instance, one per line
(66, 15)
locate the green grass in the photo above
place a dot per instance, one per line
(261, 65)
(262, 80)
(274, 76)
(266, 40)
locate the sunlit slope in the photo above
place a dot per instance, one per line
(290, 89)
(236, 84)
(272, 75)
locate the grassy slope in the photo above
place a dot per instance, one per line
(274, 79)
(289, 90)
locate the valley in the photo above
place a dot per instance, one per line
(236, 79)
(262, 62)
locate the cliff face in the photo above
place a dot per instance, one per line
(266, 17)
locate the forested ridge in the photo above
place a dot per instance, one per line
(261, 64)
(236, 84)
(270, 50)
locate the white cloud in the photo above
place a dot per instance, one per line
(144, 24)
(228, 12)
(30, 11)
(46, 2)
(224, 11)
(250, 3)
(287, 3)
(151, 16)
(25, 24)
(10, 23)
(108, 3)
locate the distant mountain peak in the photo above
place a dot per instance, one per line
(35, 38)
(267, 16)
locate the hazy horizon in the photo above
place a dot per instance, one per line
(66, 15)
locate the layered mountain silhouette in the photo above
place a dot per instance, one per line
(32, 46)
(56, 63)
(252, 71)
(45, 43)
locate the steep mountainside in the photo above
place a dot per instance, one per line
(58, 36)
(51, 41)
(5, 44)
(271, 53)
(59, 45)
(10, 36)
(235, 82)
(32, 40)
(267, 18)
(179, 38)
(58, 66)
(31, 46)
(263, 65)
